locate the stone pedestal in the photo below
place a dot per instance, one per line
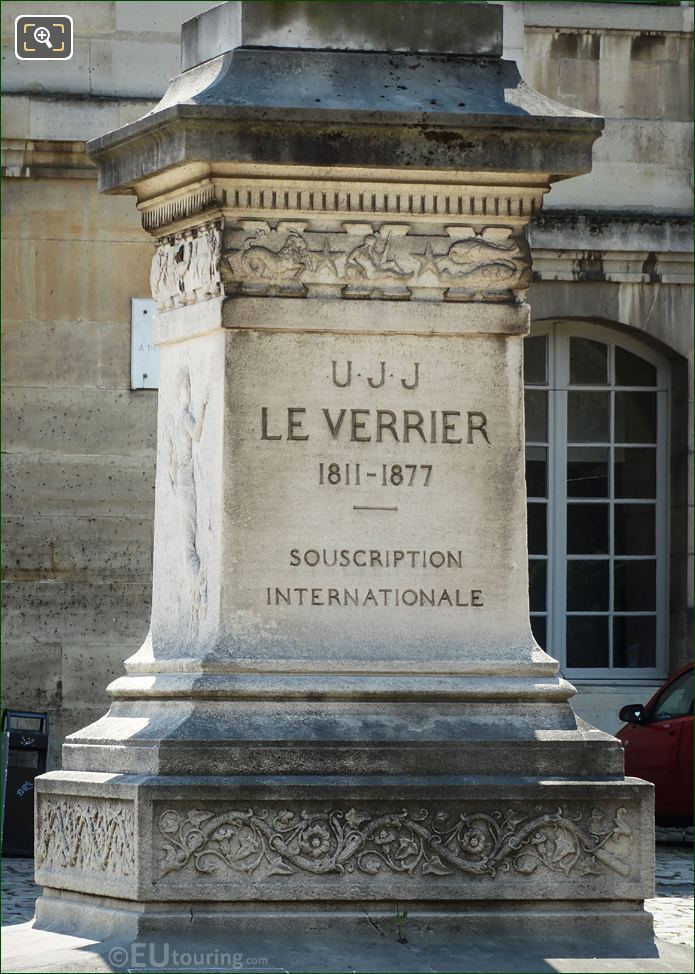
(340, 708)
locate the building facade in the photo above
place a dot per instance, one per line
(609, 364)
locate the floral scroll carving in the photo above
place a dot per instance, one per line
(90, 836)
(186, 267)
(411, 842)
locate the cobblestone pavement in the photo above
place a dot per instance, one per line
(672, 906)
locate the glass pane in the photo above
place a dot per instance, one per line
(634, 472)
(538, 630)
(634, 641)
(631, 370)
(536, 403)
(587, 586)
(588, 362)
(587, 641)
(635, 417)
(535, 358)
(588, 415)
(537, 532)
(587, 529)
(676, 700)
(536, 585)
(587, 471)
(634, 586)
(635, 529)
(536, 471)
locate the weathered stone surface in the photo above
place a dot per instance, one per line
(57, 355)
(80, 421)
(601, 16)
(88, 613)
(77, 485)
(340, 700)
(311, 25)
(22, 660)
(107, 57)
(66, 546)
(436, 838)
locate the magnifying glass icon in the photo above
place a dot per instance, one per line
(42, 35)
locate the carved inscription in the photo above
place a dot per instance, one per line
(412, 842)
(350, 427)
(92, 836)
(388, 260)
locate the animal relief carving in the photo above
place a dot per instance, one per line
(387, 261)
(491, 259)
(276, 256)
(417, 842)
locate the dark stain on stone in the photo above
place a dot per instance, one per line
(564, 46)
(649, 268)
(589, 267)
(452, 140)
(571, 45)
(647, 47)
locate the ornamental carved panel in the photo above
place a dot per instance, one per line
(387, 260)
(269, 843)
(92, 836)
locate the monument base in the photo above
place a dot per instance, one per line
(138, 856)
(551, 923)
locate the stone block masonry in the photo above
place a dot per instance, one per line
(340, 269)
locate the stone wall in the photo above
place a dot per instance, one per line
(79, 463)
(79, 445)
(615, 246)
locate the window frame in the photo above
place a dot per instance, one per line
(558, 333)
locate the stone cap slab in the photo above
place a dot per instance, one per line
(333, 25)
(295, 107)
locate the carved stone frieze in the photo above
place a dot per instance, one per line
(265, 842)
(186, 267)
(386, 261)
(91, 835)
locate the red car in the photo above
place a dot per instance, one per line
(658, 743)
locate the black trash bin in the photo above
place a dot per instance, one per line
(24, 753)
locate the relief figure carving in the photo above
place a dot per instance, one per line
(185, 268)
(372, 258)
(183, 431)
(387, 261)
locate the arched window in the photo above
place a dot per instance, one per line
(597, 481)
